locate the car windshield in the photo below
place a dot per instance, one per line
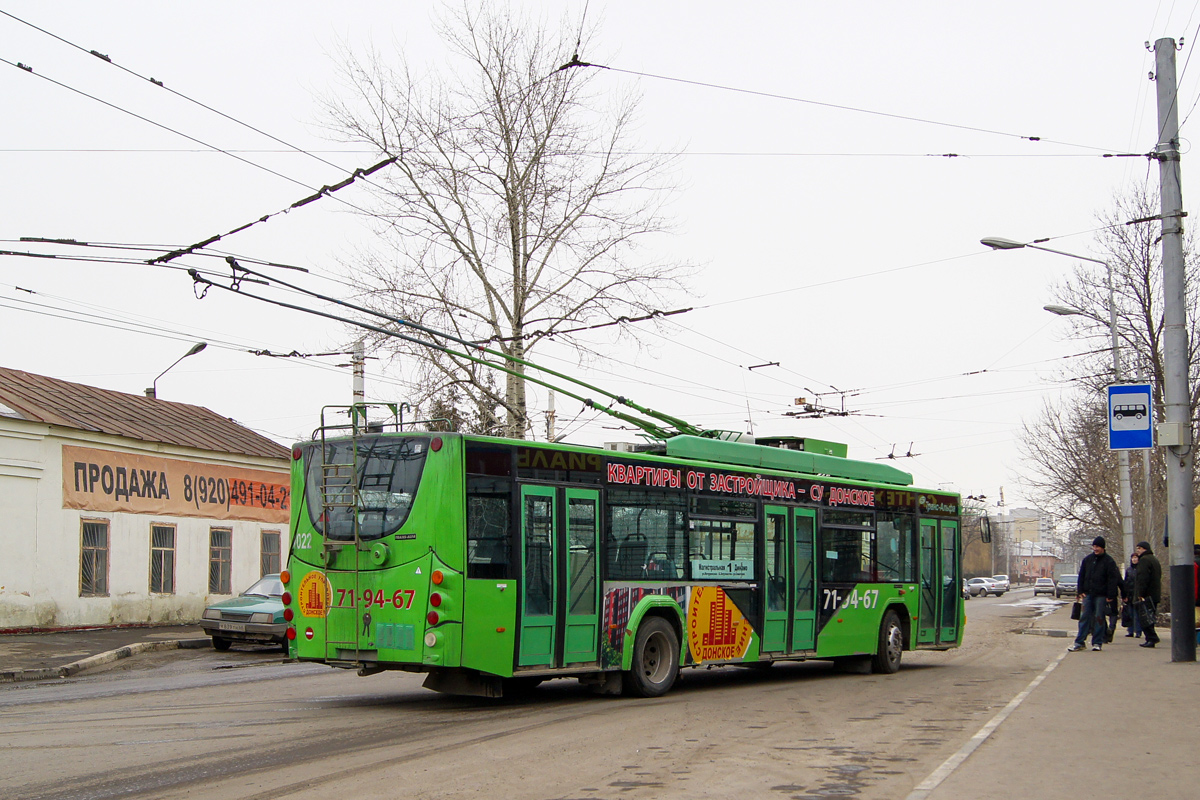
(1068, 579)
(267, 586)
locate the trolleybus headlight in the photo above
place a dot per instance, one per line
(435, 599)
(285, 577)
(437, 577)
(291, 633)
(432, 618)
(288, 614)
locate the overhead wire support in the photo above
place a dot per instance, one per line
(575, 62)
(322, 192)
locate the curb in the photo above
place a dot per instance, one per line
(100, 659)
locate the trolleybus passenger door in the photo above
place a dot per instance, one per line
(804, 595)
(581, 632)
(538, 586)
(930, 595)
(778, 588)
(951, 583)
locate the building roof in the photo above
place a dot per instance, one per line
(37, 398)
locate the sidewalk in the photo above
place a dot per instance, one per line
(1124, 722)
(37, 656)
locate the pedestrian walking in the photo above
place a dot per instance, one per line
(1098, 580)
(1147, 590)
(1129, 615)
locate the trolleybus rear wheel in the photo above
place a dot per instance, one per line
(891, 645)
(655, 659)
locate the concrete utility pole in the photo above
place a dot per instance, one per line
(1176, 433)
(358, 363)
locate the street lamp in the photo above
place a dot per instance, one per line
(152, 392)
(1122, 455)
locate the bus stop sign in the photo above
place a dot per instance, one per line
(1130, 423)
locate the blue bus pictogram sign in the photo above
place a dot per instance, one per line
(1130, 417)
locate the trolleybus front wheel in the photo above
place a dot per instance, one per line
(655, 659)
(891, 645)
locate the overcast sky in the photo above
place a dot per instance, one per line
(842, 244)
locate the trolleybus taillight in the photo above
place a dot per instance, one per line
(286, 597)
(432, 618)
(437, 577)
(291, 633)
(435, 599)
(285, 577)
(288, 614)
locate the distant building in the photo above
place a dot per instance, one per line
(119, 509)
(1034, 560)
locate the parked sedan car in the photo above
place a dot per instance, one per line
(1067, 584)
(1044, 586)
(1001, 581)
(983, 586)
(253, 617)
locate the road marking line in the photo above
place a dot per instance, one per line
(926, 787)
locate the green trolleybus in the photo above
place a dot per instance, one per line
(492, 563)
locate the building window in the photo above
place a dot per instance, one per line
(269, 559)
(93, 559)
(220, 561)
(162, 559)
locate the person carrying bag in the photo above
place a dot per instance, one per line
(1147, 591)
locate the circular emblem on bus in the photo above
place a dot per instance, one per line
(313, 595)
(717, 631)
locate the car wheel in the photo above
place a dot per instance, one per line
(891, 645)
(220, 643)
(655, 659)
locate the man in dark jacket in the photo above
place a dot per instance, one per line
(1147, 587)
(1098, 580)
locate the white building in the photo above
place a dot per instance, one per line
(118, 509)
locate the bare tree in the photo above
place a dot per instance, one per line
(1074, 473)
(516, 204)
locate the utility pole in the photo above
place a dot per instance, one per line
(550, 419)
(358, 362)
(1176, 433)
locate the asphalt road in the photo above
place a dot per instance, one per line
(201, 724)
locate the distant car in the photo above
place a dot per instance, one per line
(984, 586)
(253, 617)
(966, 591)
(1044, 586)
(1001, 581)
(1067, 584)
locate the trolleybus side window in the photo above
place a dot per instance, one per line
(721, 544)
(846, 551)
(895, 548)
(489, 542)
(647, 539)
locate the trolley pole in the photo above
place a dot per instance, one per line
(1176, 433)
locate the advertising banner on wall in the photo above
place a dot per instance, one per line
(107, 480)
